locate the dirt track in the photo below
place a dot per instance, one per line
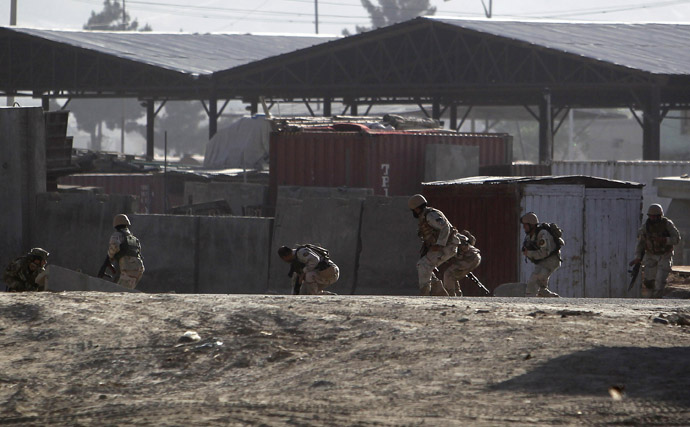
(95, 359)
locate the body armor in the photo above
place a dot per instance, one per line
(653, 232)
(130, 245)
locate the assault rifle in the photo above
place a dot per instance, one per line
(476, 281)
(294, 275)
(635, 271)
(107, 265)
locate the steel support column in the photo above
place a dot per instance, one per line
(353, 109)
(45, 103)
(150, 120)
(326, 107)
(436, 110)
(651, 126)
(454, 116)
(545, 131)
(212, 117)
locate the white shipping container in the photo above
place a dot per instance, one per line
(643, 172)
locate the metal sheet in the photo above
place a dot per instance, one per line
(564, 205)
(612, 218)
(652, 47)
(391, 163)
(490, 213)
(182, 52)
(643, 172)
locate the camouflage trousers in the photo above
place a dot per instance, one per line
(316, 281)
(656, 271)
(131, 270)
(538, 283)
(428, 282)
(458, 269)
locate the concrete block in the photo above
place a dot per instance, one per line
(63, 279)
(443, 162)
(390, 248)
(234, 255)
(329, 222)
(241, 196)
(169, 245)
(22, 177)
(517, 289)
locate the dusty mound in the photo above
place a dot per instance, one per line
(94, 359)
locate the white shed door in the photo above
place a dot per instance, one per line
(564, 205)
(612, 217)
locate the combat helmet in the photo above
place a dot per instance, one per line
(416, 201)
(121, 219)
(529, 218)
(655, 209)
(39, 253)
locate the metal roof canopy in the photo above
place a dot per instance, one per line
(146, 65)
(448, 62)
(585, 180)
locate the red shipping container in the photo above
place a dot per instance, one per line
(391, 163)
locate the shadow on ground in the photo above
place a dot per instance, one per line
(647, 373)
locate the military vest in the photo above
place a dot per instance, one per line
(130, 245)
(654, 231)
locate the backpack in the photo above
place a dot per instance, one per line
(555, 232)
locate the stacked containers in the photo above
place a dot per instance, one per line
(390, 162)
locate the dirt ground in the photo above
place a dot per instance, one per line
(123, 359)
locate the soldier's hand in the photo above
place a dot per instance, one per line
(435, 248)
(635, 261)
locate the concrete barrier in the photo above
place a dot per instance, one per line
(63, 279)
(390, 248)
(244, 198)
(516, 289)
(22, 177)
(329, 222)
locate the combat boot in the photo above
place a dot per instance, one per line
(546, 293)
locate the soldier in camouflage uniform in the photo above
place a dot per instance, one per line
(27, 273)
(655, 239)
(311, 269)
(539, 247)
(440, 243)
(467, 259)
(125, 248)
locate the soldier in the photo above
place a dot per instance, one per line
(655, 241)
(27, 273)
(126, 250)
(544, 250)
(311, 269)
(439, 244)
(467, 259)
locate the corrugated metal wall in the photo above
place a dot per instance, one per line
(564, 205)
(392, 163)
(643, 172)
(490, 213)
(612, 218)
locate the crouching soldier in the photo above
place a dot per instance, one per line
(311, 269)
(655, 241)
(439, 244)
(27, 273)
(544, 250)
(466, 260)
(126, 250)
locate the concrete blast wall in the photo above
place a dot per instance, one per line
(194, 254)
(329, 222)
(22, 177)
(390, 248)
(75, 228)
(242, 197)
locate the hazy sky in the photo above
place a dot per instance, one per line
(297, 16)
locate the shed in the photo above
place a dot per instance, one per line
(599, 218)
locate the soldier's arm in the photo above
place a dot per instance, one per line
(674, 235)
(639, 248)
(545, 245)
(114, 245)
(440, 223)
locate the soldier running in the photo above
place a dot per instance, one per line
(27, 273)
(541, 248)
(311, 269)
